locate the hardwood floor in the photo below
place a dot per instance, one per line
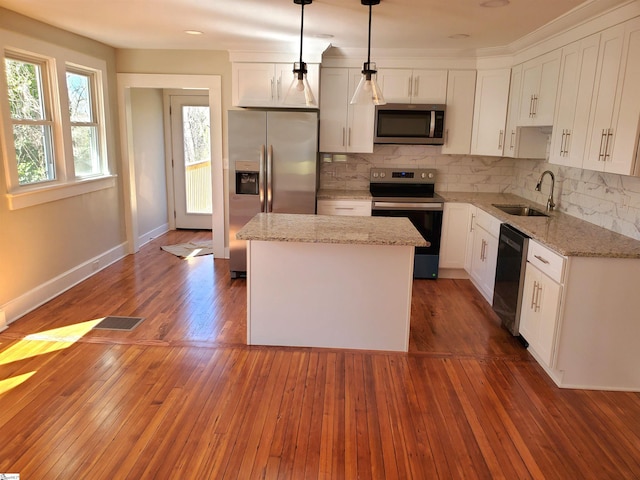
(182, 396)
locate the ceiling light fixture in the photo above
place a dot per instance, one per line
(495, 3)
(368, 92)
(299, 92)
(193, 32)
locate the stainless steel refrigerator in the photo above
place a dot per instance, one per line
(273, 168)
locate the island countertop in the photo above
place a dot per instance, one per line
(282, 227)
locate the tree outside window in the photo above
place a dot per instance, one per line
(84, 125)
(31, 119)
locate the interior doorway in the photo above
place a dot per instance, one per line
(190, 160)
(207, 83)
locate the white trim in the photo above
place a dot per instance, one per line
(213, 83)
(3, 321)
(58, 191)
(40, 295)
(156, 232)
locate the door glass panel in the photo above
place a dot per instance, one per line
(196, 130)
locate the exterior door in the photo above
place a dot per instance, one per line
(191, 166)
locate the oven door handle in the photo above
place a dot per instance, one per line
(406, 206)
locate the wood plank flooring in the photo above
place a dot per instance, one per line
(182, 396)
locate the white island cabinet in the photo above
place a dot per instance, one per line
(329, 281)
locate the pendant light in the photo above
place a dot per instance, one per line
(368, 92)
(299, 92)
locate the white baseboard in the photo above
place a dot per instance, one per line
(40, 295)
(3, 320)
(156, 232)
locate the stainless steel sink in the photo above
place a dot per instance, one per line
(521, 210)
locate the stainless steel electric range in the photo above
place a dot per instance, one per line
(402, 192)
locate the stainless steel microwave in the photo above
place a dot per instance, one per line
(409, 123)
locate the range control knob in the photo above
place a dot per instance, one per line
(423, 175)
(375, 174)
(382, 174)
(431, 175)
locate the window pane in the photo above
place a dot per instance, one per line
(85, 150)
(24, 81)
(33, 153)
(79, 90)
(196, 130)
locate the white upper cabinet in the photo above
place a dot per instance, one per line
(575, 91)
(513, 113)
(615, 114)
(344, 127)
(458, 118)
(539, 88)
(490, 112)
(266, 84)
(413, 86)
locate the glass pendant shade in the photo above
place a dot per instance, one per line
(368, 91)
(300, 93)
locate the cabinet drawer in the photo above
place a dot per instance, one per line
(548, 262)
(488, 222)
(345, 207)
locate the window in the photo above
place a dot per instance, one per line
(84, 123)
(29, 104)
(55, 143)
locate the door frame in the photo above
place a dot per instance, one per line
(212, 83)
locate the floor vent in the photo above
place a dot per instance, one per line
(119, 323)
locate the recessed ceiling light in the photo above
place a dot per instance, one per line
(495, 3)
(458, 36)
(193, 32)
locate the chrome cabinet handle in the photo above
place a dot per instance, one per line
(538, 292)
(410, 85)
(416, 86)
(564, 134)
(533, 295)
(606, 146)
(344, 132)
(279, 87)
(513, 136)
(500, 138)
(349, 137)
(272, 88)
(535, 105)
(473, 218)
(543, 260)
(531, 106)
(602, 143)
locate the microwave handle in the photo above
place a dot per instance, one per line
(432, 127)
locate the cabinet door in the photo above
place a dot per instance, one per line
(604, 95)
(483, 262)
(515, 93)
(627, 115)
(539, 88)
(539, 313)
(461, 91)
(360, 120)
(396, 84)
(575, 90)
(490, 112)
(333, 109)
(254, 85)
(429, 86)
(455, 235)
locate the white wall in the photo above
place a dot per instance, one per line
(149, 154)
(48, 247)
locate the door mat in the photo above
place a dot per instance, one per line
(191, 249)
(119, 323)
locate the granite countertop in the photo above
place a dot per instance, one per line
(338, 194)
(281, 227)
(563, 233)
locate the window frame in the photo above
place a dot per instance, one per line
(66, 184)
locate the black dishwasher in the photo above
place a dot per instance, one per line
(510, 267)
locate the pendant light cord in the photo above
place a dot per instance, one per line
(301, 30)
(369, 42)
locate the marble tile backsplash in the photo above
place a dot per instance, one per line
(608, 200)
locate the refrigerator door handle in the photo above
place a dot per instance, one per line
(261, 178)
(270, 179)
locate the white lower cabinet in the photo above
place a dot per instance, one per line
(539, 314)
(484, 253)
(456, 229)
(350, 207)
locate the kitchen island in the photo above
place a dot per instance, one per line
(329, 281)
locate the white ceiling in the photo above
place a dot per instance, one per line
(275, 24)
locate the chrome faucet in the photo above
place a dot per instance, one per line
(550, 203)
